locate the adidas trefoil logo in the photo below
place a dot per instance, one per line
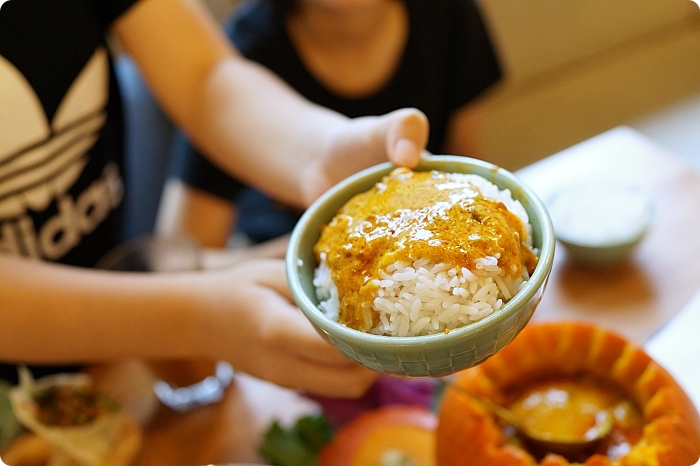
(40, 161)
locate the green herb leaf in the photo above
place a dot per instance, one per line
(10, 427)
(315, 431)
(298, 445)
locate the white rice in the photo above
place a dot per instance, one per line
(424, 297)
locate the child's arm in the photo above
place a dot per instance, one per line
(53, 314)
(245, 118)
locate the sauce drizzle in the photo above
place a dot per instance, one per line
(411, 215)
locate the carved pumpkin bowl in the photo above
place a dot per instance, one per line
(550, 364)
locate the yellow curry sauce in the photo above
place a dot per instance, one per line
(569, 409)
(412, 215)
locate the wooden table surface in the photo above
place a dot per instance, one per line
(635, 299)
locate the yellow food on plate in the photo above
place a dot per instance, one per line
(423, 253)
(71, 423)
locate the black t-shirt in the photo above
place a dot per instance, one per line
(61, 132)
(448, 60)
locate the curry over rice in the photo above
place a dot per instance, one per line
(411, 215)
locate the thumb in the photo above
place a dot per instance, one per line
(399, 136)
(407, 136)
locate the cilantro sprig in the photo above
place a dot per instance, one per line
(297, 445)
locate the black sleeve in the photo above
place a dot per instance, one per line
(113, 9)
(189, 165)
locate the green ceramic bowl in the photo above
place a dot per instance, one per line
(429, 355)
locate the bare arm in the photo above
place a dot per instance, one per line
(58, 314)
(251, 123)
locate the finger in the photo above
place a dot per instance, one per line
(274, 248)
(292, 329)
(299, 374)
(404, 153)
(286, 328)
(292, 332)
(407, 136)
(399, 136)
(272, 274)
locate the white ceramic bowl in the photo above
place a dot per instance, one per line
(600, 223)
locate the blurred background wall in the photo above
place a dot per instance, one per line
(575, 68)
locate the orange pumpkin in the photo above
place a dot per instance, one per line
(407, 431)
(467, 434)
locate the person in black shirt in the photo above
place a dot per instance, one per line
(358, 57)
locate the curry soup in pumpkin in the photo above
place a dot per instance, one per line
(570, 409)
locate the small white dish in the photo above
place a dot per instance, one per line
(598, 223)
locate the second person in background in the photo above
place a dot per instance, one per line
(358, 57)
